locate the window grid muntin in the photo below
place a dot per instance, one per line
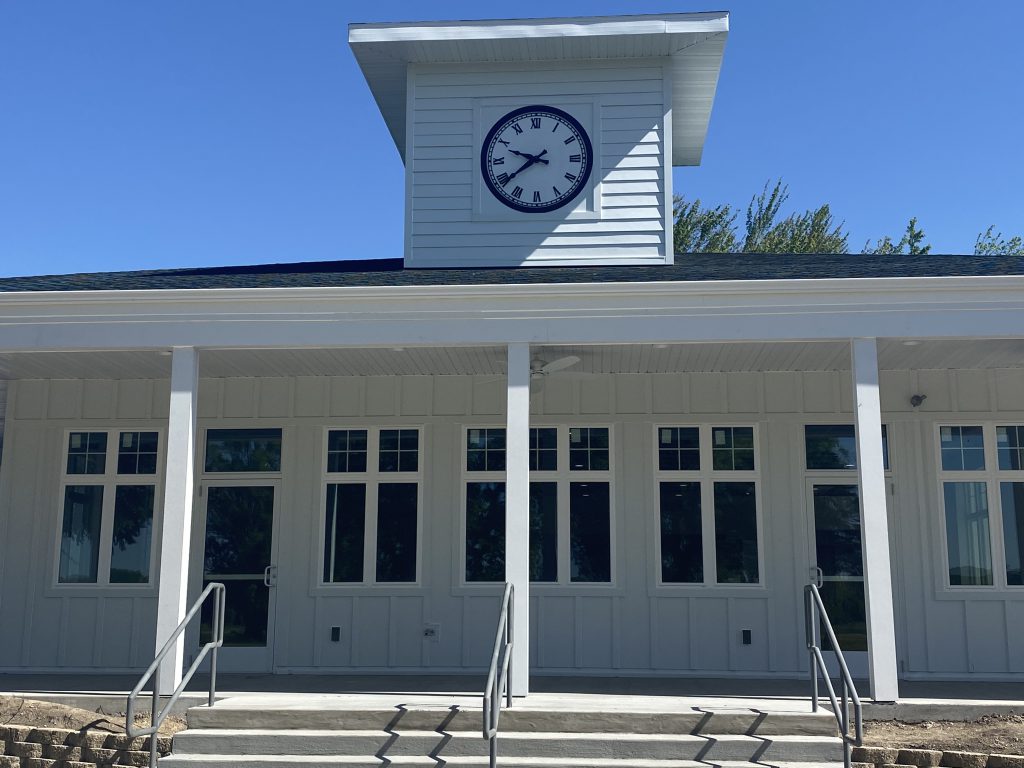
(348, 450)
(372, 478)
(1010, 447)
(706, 478)
(137, 452)
(87, 452)
(485, 449)
(678, 449)
(110, 480)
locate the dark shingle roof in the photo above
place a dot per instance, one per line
(390, 272)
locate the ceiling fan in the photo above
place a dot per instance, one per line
(539, 369)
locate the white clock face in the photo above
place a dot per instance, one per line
(536, 159)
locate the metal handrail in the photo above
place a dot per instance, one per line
(499, 672)
(816, 616)
(157, 716)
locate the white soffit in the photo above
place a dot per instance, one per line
(693, 43)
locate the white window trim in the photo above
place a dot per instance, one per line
(992, 476)
(109, 480)
(562, 477)
(372, 478)
(706, 476)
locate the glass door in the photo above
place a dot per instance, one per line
(839, 563)
(239, 551)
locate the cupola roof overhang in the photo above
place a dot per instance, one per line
(693, 43)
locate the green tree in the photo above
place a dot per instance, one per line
(703, 230)
(989, 244)
(699, 229)
(912, 243)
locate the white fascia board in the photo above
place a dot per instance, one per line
(785, 310)
(693, 42)
(505, 29)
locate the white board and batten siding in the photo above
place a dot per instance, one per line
(622, 218)
(633, 626)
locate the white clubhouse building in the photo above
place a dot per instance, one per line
(658, 452)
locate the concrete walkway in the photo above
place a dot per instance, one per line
(919, 700)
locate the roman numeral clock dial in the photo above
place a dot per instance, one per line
(536, 159)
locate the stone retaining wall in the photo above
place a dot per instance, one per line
(22, 746)
(884, 757)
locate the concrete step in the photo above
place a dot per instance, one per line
(281, 761)
(620, 746)
(518, 719)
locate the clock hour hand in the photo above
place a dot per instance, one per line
(533, 158)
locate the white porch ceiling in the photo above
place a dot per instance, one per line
(460, 361)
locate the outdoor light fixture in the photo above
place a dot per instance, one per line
(916, 400)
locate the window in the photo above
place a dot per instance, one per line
(570, 490)
(109, 501)
(962, 449)
(834, 446)
(708, 524)
(968, 541)
(371, 509)
(983, 505)
(243, 450)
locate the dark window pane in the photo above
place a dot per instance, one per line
(544, 532)
(346, 450)
(844, 601)
(837, 530)
(1013, 530)
(732, 448)
(243, 450)
(485, 532)
(588, 449)
(246, 608)
(136, 453)
(132, 534)
(590, 532)
(239, 530)
(87, 453)
(344, 533)
(830, 446)
(885, 447)
(736, 533)
(967, 534)
(396, 532)
(682, 549)
(399, 450)
(80, 534)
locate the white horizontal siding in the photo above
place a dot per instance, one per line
(443, 164)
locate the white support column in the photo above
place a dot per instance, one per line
(517, 509)
(176, 529)
(874, 523)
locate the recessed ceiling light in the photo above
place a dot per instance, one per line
(661, 346)
(398, 349)
(910, 343)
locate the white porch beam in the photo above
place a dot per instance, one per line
(874, 523)
(517, 510)
(176, 529)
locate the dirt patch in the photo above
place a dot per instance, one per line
(999, 734)
(44, 714)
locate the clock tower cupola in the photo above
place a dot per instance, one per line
(543, 142)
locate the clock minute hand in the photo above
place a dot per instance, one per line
(533, 158)
(521, 168)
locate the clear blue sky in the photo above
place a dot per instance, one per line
(166, 133)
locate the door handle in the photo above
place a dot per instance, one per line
(818, 575)
(270, 576)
